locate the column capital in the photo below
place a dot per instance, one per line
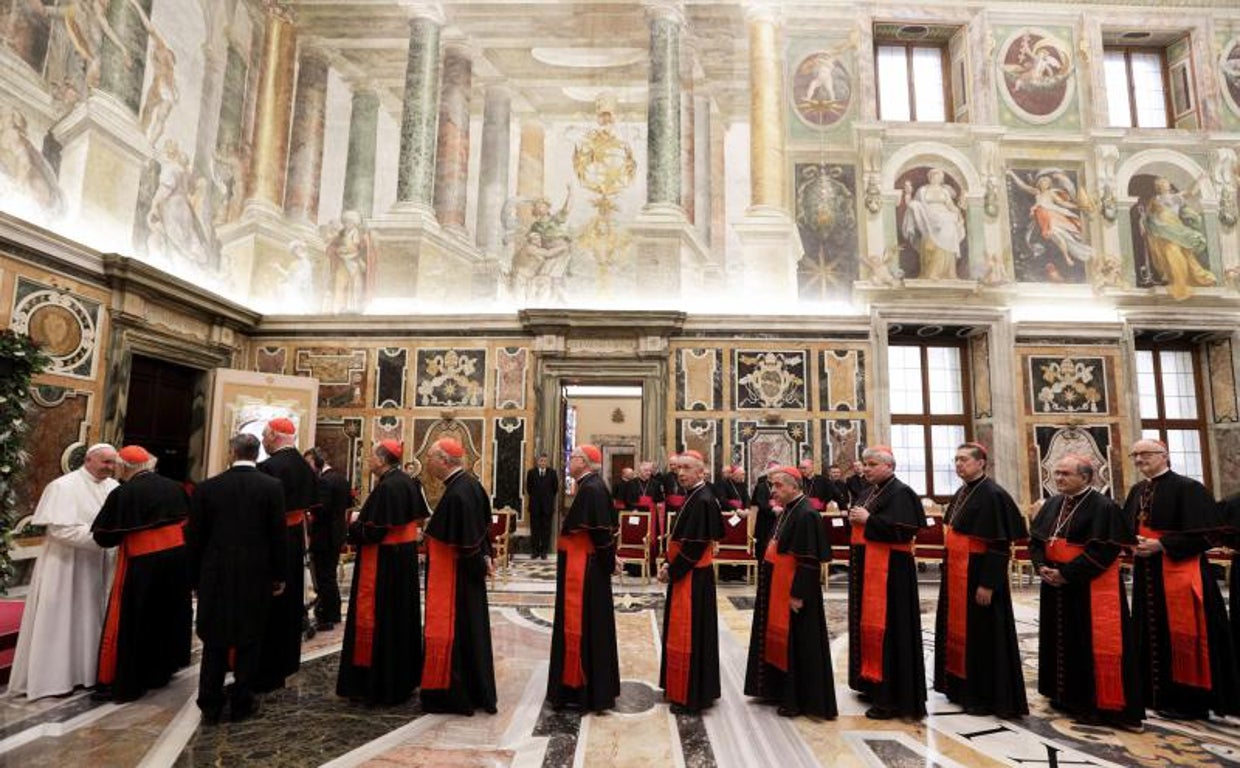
(314, 50)
(279, 11)
(768, 11)
(417, 9)
(665, 10)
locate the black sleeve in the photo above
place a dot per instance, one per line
(604, 548)
(690, 553)
(1037, 553)
(881, 529)
(1090, 564)
(361, 533)
(107, 539)
(994, 570)
(807, 579)
(277, 538)
(197, 530)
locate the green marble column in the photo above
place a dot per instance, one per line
(121, 72)
(359, 168)
(415, 180)
(663, 109)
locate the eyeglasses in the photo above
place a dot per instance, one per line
(1135, 454)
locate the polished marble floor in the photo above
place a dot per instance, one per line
(307, 725)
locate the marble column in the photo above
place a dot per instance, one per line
(120, 74)
(493, 167)
(688, 146)
(272, 113)
(359, 169)
(663, 109)
(305, 157)
(701, 167)
(531, 160)
(766, 113)
(452, 167)
(416, 173)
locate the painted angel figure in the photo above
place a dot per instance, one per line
(1041, 64)
(1055, 215)
(87, 27)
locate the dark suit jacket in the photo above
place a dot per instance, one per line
(327, 532)
(236, 544)
(542, 490)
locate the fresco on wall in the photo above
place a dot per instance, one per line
(1046, 225)
(1068, 385)
(821, 87)
(1229, 72)
(1169, 236)
(28, 183)
(1037, 70)
(826, 218)
(930, 217)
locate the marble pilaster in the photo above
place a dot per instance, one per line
(493, 167)
(305, 157)
(121, 70)
(663, 172)
(272, 114)
(766, 113)
(416, 173)
(530, 163)
(452, 152)
(359, 170)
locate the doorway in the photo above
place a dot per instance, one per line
(608, 416)
(159, 412)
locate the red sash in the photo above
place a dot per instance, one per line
(734, 503)
(577, 548)
(440, 615)
(617, 504)
(1106, 626)
(645, 502)
(136, 544)
(679, 641)
(1186, 617)
(367, 577)
(959, 548)
(779, 609)
(294, 517)
(874, 601)
(675, 501)
(817, 505)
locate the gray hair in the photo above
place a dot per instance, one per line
(881, 454)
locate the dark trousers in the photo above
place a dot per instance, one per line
(540, 532)
(325, 564)
(211, 678)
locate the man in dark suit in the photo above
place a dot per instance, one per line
(541, 485)
(327, 531)
(236, 546)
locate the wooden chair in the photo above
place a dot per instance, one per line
(501, 522)
(736, 547)
(1020, 561)
(633, 541)
(1221, 556)
(930, 545)
(839, 537)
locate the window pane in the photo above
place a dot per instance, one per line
(1119, 111)
(908, 443)
(946, 395)
(893, 83)
(1147, 89)
(904, 364)
(928, 85)
(1151, 434)
(1184, 450)
(1179, 394)
(943, 441)
(1146, 391)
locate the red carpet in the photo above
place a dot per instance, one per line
(10, 616)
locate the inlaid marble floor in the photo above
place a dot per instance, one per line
(307, 725)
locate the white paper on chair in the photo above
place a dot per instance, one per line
(634, 520)
(495, 518)
(837, 523)
(735, 520)
(929, 522)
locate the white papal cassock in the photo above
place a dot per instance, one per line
(58, 646)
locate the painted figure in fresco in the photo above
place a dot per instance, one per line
(173, 220)
(24, 171)
(1175, 239)
(933, 223)
(352, 258)
(86, 25)
(297, 279)
(162, 94)
(540, 264)
(1041, 64)
(1054, 220)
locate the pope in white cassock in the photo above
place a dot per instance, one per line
(58, 646)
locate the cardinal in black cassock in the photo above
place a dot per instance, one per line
(458, 671)
(281, 654)
(146, 633)
(789, 650)
(884, 617)
(1229, 513)
(689, 668)
(585, 665)
(1087, 659)
(976, 654)
(1183, 638)
(761, 501)
(380, 661)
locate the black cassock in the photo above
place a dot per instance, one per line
(327, 536)
(1229, 513)
(1087, 652)
(765, 521)
(689, 667)
(146, 633)
(281, 652)
(1192, 670)
(380, 660)
(790, 659)
(820, 492)
(585, 665)
(980, 641)
(458, 671)
(642, 494)
(885, 649)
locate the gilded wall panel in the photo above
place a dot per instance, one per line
(55, 439)
(704, 436)
(508, 462)
(979, 350)
(341, 439)
(842, 442)
(1068, 384)
(1053, 442)
(699, 379)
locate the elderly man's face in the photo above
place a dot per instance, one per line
(875, 470)
(783, 489)
(1067, 479)
(101, 464)
(690, 473)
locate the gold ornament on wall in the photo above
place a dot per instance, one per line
(617, 416)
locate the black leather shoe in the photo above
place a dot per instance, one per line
(211, 716)
(788, 712)
(880, 713)
(101, 693)
(324, 626)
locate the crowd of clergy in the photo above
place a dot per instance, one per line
(239, 543)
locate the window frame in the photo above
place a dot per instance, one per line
(949, 111)
(1164, 72)
(929, 420)
(1161, 423)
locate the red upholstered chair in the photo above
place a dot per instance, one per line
(1021, 562)
(501, 521)
(839, 536)
(930, 545)
(633, 541)
(736, 547)
(1221, 556)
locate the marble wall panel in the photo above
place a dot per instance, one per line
(450, 377)
(699, 379)
(1228, 442)
(842, 441)
(765, 379)
(341, 373)
(1222, 381)
(64, 324)
(341, 439)
(979, 352)
(841, 380)
(271, 359)
(511, 371)
(1052, 442)
(508, 463)
(754, 443)
(704, 436)
(469, 432)
(1068, 384)
(56, 417)
(390, 376)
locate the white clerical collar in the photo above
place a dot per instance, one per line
(1160, 474)
(699, 484)
(1078, 495)
(244, 463)
(453, 474)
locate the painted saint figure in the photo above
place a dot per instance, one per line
(1175, 239)
(934, 224)
(352, 257)
(1055, 219)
